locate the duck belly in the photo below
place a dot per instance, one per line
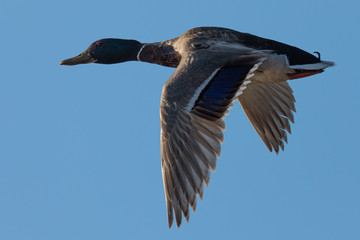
(274, 69)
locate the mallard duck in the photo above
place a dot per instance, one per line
(215, 67)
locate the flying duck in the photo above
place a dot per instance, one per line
(215, 67)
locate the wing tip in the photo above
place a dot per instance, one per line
(169, 213)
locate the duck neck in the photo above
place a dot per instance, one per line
(158, 53)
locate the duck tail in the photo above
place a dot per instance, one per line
(305, 70)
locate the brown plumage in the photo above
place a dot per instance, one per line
(214, 68)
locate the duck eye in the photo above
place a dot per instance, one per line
(100, 45)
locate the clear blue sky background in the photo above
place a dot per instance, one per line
(80, 149)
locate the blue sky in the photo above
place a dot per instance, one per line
(80, 149)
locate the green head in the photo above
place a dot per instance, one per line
(107, 51)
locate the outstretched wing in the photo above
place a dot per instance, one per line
(269, 107)
(194, 102)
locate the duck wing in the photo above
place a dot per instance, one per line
(269, 107)
(194, 103)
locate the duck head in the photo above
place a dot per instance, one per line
(107, 51)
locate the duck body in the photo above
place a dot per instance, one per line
(168, 53)
(215, 67)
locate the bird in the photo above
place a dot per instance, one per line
(215, 67)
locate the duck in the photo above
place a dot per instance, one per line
(215, 68)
